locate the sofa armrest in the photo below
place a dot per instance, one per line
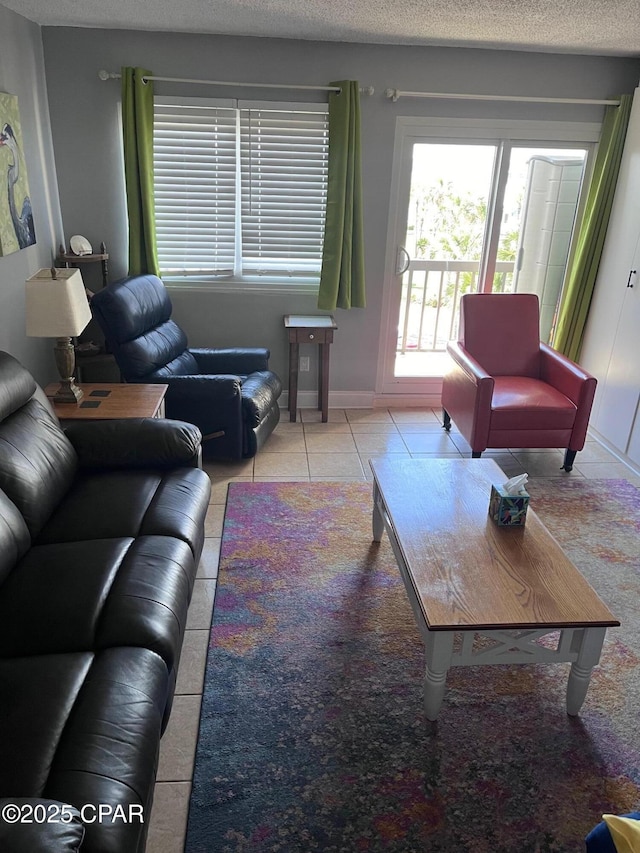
(241, 361)
(467, 390)
(136, 443)
(43, 826)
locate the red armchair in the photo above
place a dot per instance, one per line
(507, 389)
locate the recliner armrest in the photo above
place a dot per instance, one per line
(136, 443)
(241, 361)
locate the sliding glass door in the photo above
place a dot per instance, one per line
(474, 213)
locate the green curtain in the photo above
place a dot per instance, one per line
(137, 120)
(581, 277)
(342, 276)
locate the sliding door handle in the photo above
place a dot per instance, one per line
(401, 267)
(633, 276)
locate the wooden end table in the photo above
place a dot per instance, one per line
(309, 329)
(483, 594)
(106, 401)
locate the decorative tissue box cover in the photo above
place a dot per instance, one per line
(507, 510)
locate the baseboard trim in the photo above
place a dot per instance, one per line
(407, 401)
(364, 400)
(595, 435)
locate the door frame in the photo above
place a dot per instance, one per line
(408, 131)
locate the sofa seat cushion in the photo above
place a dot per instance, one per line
(97, 594)
(523, 403)
(260, 391)
(117, 504)
(84, 729)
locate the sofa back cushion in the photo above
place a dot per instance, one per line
(135, 316)
(37, 461)
(17, 385)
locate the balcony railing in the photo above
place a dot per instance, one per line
(431, 292)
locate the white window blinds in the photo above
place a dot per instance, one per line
(240, 190)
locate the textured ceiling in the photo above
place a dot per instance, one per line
(575, 26)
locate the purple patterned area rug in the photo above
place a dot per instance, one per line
(313, 736)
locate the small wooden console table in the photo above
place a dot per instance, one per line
(309, 329)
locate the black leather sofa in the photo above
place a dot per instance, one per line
(101, 530)
(230, 394)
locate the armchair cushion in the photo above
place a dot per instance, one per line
(520, 402)
(501, 331)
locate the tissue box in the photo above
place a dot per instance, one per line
(508, 510)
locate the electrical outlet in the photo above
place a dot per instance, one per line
(304, 364)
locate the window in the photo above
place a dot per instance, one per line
(240, 190)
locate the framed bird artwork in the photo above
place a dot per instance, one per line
(16, 216)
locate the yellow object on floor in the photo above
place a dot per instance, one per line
(625, 833)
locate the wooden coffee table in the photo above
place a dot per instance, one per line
(483, 594)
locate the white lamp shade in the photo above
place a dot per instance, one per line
(56, 308)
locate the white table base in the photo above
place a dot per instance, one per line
(476, 646)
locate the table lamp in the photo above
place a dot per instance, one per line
(57, 307)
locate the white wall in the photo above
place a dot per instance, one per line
(22, 74)
(86, 133)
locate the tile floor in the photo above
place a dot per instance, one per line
(310, 450)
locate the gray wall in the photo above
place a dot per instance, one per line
(22, 74)
(86, 133)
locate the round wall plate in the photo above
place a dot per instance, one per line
(80, 245)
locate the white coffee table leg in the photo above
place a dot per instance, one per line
(588, 657)
(377, 521)
(438, 651)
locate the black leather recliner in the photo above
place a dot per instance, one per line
(230, 394)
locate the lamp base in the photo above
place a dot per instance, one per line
(68, 392)
(65, 356)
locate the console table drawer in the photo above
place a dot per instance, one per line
(311, 336)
